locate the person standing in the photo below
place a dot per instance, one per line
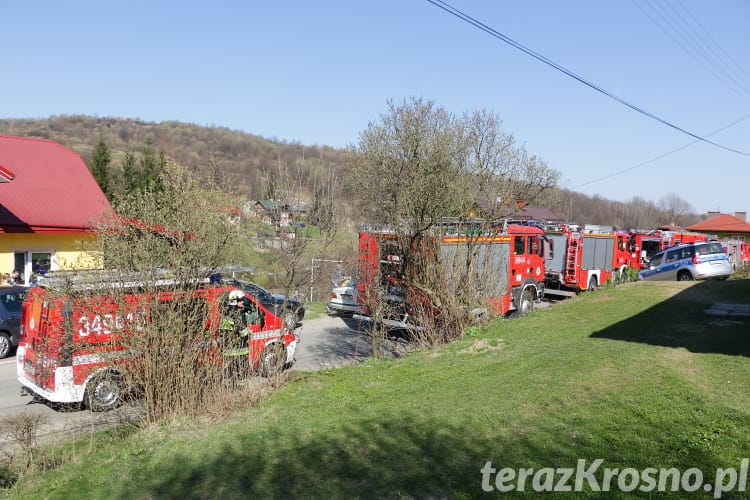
(235, 326)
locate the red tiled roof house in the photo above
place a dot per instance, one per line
(49, 209)
(724, 226)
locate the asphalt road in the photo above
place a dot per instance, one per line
(325, 343)
(331, 342)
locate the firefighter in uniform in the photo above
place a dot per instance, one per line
(235, 330)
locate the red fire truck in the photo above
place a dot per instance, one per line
(73, 344)
(738, 252)
(505, 266)
(583, 259)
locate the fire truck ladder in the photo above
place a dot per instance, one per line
(574, 246)
(96, 279)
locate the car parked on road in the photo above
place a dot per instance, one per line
(11, 301)
(281, 305)
(343, 300)
(691, 261)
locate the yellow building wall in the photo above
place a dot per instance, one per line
(731, 236)
(74, 251)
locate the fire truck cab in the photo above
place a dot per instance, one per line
(504, 266)
(73, 344)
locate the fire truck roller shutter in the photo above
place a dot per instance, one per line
(487, 267)
(598, 252)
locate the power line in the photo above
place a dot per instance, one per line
(478, 24)
(620, 172)
(738, 69)
(713, 55)
(691, 47)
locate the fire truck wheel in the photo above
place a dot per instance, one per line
(527, 302)
(592, 284)
(104, 392)
(272, 360)
(525, 306)
(5, 345)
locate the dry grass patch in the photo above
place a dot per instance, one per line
(483, 345)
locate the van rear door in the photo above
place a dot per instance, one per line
(40, 339)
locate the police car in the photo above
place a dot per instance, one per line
(691, 261)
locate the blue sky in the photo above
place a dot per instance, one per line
(319, 72)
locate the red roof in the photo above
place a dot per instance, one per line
(53, 190)
(723, 223)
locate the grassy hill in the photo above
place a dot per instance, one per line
(241, 158)
(244, 162)
(638, 376)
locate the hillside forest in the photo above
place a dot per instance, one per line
(251, 167)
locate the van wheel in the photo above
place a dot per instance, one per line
(684, 276)
(5, 345)
(592, 284)
(104, 392)
(272, 360)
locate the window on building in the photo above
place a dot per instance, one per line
(33, 263)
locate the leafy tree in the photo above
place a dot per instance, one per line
(100, 164)
(145, 174)
(418, 165)
(130, 174)
(407, 167)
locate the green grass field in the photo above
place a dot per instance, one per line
(637, 375)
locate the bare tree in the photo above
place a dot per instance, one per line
(501, 170)
(675, 208)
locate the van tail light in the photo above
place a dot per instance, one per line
(333, 295)
(696, 259)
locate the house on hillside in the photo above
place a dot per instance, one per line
(272, 212)
(725, 226)
(49, 210)
(520, 211)
(277, 213)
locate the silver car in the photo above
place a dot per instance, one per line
(344, 301)
(692, 261)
